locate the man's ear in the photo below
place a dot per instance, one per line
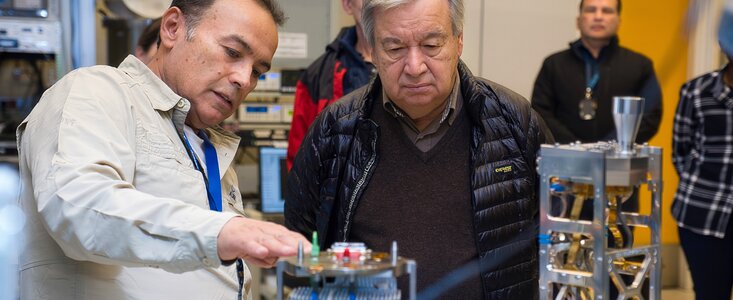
(346, 4)
(172, 27)
(460, 44)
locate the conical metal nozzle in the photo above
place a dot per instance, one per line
(627, 113)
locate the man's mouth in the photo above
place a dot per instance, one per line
(224, 98)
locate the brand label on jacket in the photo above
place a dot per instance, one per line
(503, 169)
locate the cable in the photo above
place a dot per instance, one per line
(472, 268)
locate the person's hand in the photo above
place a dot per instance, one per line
(258, 242)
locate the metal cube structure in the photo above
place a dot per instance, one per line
(582, 258)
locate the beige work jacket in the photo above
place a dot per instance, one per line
(115, 207)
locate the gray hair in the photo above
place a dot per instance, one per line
(371, 6)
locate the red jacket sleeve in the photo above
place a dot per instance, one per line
(305, 110)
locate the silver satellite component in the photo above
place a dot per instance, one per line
(627, 112)
(585, 257)
(348, 271)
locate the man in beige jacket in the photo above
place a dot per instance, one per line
(121, 167)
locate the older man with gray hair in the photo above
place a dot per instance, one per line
(428, 155)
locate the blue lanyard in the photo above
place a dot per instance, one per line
(592, 72)
(213, 188)
(213, 182)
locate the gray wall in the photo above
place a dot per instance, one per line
(518, 35)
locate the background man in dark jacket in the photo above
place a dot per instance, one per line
(575, 88)
(591, 72)
(345, 67)
(428, 155)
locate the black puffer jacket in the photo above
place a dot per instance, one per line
(338, 155)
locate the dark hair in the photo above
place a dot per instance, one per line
(150, 35)
(618, 7)
(193, 10)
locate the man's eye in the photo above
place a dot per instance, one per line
(395, 51)
(256, 73)
(231, 52)
(431, 50)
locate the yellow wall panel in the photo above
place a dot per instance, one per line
(656, 28)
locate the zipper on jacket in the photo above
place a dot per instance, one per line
(358, 187)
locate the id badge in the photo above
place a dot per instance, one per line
(587, 107)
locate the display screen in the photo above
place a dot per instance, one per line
(256, 109)
(273, 171)
(24, 8)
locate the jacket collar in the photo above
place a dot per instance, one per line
(344, 43)
(580, 51)
(470, 88)
(160, 95)
(346, 40)
(721, 91)
(163, 98)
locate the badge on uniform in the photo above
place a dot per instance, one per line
(587, 106)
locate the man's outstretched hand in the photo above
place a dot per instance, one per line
(258, 242)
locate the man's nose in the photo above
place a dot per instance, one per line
(415, 62)
(241, 78)
(598, 14)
